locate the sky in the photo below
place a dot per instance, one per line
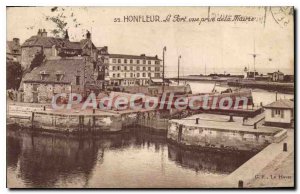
(217, 47)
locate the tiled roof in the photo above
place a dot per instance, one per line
(133, 56)
(83, 42)
(103, 50)
(72, 45)
(48, 42)
(44, 41)
(70, 67)
(283, 103)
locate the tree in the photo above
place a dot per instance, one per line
(13, 75)
(37, 60)
(61, 21)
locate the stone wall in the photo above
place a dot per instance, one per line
(110, 121)
(28, 54)
(218, 138)
(149, 119)
(68, 122)
(73, 123)
(44, 92)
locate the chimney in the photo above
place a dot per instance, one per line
(39, 32)
(67, 35)
(105, 48)
(44, 33)
(143, 55)
(16, 41)
(88, 35)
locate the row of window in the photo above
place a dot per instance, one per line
(58, 77)
(280, 113)
(137, 75)
(125, 68)
(156, 62)
(277, 113)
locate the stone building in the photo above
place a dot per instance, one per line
(53, 47)
(280, 113)
(63, 75)
(276, 76)
(103, 58)
(130, 70)
(13, 50)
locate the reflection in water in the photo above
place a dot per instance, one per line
(129, 159)
(208, 161)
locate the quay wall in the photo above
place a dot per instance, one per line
(37, 118)
(279, 87)
(68, 122)
(220, 138)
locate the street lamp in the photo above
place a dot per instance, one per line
(178, 68)
(164, 50)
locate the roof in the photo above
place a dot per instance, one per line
(48, 42)
(11, 47)
(84, 42)
(283, 103)
(103, 50)
(44, 41)
(278, 72)
(134, 56)
(69, 67)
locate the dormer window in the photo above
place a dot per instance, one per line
(44, 75)
(59, 75)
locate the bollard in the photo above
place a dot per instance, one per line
(231, 118)
(285, 147)
(32, 119)
(261, 104)
(94, 111)
(44, 108)
(255, 126)
(197, 120)
(241, 184)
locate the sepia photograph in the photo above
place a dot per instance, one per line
(150, 97)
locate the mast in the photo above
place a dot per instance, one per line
(254, 55)
(164, 49)
(178, 68)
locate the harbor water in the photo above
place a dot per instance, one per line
(136, 158)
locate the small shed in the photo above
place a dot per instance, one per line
(280, 113)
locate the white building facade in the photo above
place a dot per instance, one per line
(280, 113)
(131, 70)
